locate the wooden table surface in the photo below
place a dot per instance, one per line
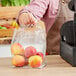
(56, 66)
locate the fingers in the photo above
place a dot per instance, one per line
(32, 18)
(23, 19)
(26, 18)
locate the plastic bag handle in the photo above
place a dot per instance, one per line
(31, 26)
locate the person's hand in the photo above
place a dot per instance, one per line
(26, 19)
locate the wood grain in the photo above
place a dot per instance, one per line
(56, 66)
(9, 12)
(6, 33)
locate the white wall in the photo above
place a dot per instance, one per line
(5, 51)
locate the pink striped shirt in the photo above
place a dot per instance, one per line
(45, 10)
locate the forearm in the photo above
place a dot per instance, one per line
(37, 8)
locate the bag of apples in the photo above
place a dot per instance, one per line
(28, 46)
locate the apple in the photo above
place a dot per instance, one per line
(40, 54)
(35, 61)
(17, 49)
(18, 61)
(30, 51)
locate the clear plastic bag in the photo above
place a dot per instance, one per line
(33, 40)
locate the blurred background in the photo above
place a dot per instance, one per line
(8, 12)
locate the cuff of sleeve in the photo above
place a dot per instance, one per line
(27, 9)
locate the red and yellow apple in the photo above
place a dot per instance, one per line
(17, 49)
(18, 61)
(30, 51)
(35, 61)
(40, 54)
